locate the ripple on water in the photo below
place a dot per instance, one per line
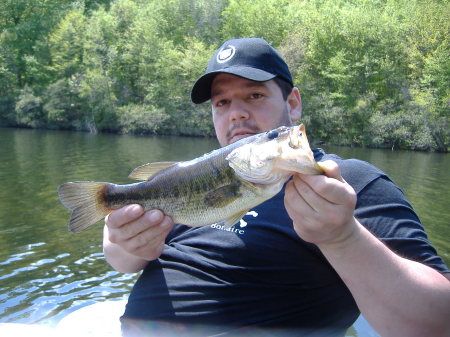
(41, 289)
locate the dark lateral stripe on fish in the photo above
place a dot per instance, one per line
(189, 185)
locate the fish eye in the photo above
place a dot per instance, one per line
(272, 134)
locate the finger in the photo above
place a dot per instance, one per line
(151, 238)
(294, 202)
(152, 223)
(123, 216)
(331, 187)
(150, 252)
(149, 219)
(331, 169)
(314, 200)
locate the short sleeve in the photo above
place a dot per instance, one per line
(384, 210)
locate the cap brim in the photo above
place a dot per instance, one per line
(201, 91)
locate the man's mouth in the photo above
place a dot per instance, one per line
(239, 135)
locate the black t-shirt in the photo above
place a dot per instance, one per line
(260, 274)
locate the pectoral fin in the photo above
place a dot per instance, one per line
(234, 219)
(223, 195)
(147, 171)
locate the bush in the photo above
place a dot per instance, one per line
(404, 129)
(29, 109)
(141, 119)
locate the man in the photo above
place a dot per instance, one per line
(306, 261)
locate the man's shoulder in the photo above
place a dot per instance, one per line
(358, 173)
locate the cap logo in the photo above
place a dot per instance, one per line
(226, 54)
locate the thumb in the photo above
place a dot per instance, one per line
(331, 169)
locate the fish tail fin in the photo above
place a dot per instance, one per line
(86, 200)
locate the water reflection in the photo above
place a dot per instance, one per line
(43, 289)
(45, 272)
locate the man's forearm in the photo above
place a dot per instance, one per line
(397, 296)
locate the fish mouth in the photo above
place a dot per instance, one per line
(294, 137)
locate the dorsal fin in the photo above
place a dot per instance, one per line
(147, 171)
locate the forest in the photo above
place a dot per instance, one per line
(372, 73)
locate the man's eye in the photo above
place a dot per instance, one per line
(221, 102)
(256, 95)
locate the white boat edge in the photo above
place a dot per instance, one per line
(103, 319)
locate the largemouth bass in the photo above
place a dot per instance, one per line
(220, 186)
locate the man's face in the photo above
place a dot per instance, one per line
(242, 107)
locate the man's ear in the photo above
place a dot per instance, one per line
(294, 101)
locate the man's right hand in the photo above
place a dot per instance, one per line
(133, 237)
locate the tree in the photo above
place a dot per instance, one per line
(181, 20)
(26, 23)
(128, 65)
(67, 42)
(64, 105)
(8, 88)
(266, 19)
(97, 83)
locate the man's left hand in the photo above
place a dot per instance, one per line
(321, 206)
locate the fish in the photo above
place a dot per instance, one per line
(218, 187)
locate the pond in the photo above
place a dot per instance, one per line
(47, 273)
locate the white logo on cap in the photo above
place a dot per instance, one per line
(226, 54)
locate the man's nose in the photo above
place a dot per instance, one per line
(238, 111)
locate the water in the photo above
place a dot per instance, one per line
(46, 273)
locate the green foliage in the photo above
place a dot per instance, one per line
(25, 25)
(141, 119)
(403, 129)
(355, 56)
(433, 95)
(8, 88)
(371, 73)
(100, 101)
(67, 45)
(178, 20)
(64, 107)
(248, 18)
(29, 109)
(173, 78)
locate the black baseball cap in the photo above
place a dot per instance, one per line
(251, 58)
